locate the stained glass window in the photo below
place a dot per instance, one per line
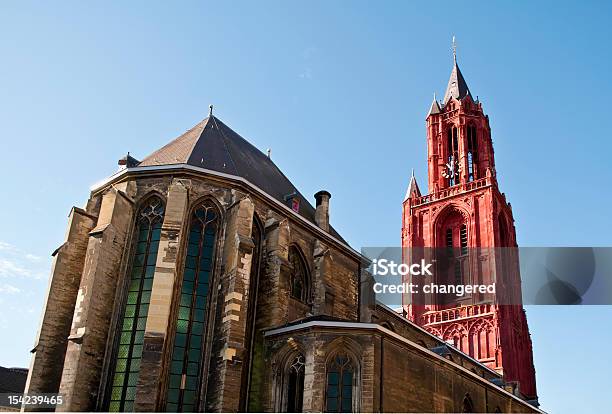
(186, 364)
(134, 316)
(339, 386)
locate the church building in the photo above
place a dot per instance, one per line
(201, 279)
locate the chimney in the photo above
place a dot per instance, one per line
(322, 211)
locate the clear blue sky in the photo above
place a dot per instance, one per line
(339, 91)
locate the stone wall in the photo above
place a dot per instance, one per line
(50, 349)
(394, 375)
(95, 302)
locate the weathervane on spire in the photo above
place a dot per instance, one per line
(454, 50)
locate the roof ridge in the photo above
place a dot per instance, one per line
(264, 156)
(225, 140)
(204, 122)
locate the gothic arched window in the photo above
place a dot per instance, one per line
(467, 406)
(295, 384)
(452, 146)
(186, 363)
(339, 385)
(472, 144)
(299, 281)
(453, 263)
(134, 317)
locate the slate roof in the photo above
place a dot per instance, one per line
(13, 380)
(213, 145)
(457, 87)
(435, 107)
(413, 188)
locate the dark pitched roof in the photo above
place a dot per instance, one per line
(413, 188)
(13, 380)
(435, 107)
(457, 87)
(213, 145)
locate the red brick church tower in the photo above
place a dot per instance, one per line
(465, 210)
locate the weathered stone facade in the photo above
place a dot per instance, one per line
(263, 310)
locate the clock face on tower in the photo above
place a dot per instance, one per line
(451, 169)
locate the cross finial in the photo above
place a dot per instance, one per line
(454, 50)
(210, 108)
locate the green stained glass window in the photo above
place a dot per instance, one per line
(141, 248)
(175, 381)
(139, 337)
(339, 386)
(187, 287)
(150, 270)
(130, 311)
(118, 380)
(181, 338)
(147, 284)
(200, 302)
(192, 250)
(145, 297)
(173, 394)
(121, 365)
(189, 275)
(132, 298)
(202, 288)
(128, 324)
(190, 262)
(135, 365)
(186, 368)
(139, 260)
(184, 312)
(182, 326)
(131, 337)
(136, 272)
(192, 368)
(178, 354)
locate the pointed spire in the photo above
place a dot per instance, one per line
(413, 188)
(435, 106)
(457, 87)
